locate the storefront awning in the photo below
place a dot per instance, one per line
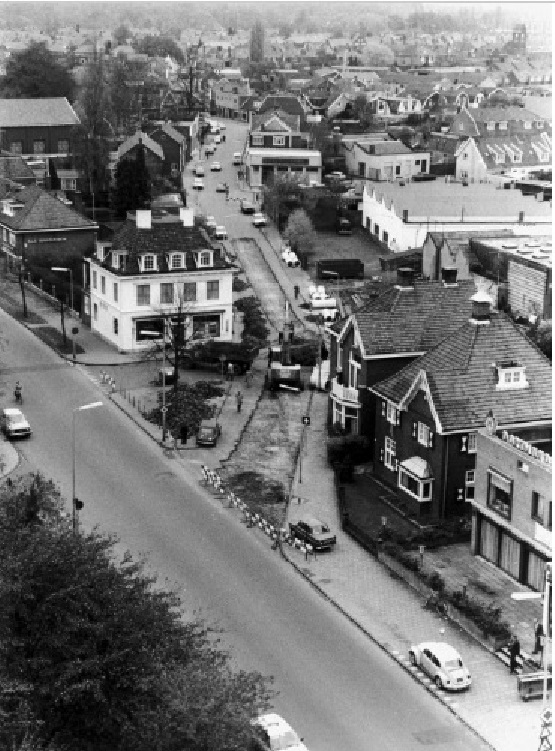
(417, 467)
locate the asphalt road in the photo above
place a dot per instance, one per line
(335, 686)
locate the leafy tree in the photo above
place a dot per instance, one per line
(161, 46)
(95, 655)
(362, 111)
(299, 231)
(121, 34)
(541, 334)
(280, 197)
(35, 72)
(132, 190)
(121, 95)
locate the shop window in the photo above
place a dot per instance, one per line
(143, 294)
(500, 494)
(469, 483)
(213, 290)
(189, 292)
(166, 293)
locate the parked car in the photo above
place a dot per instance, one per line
(246, 207)
(211, 223)
(442, 663)
(221, 126)
(259, 220)
(199, 170)
(210, 149)
(220, 233)
(289, 257)
(217, 137)
(343, 226)
(215, 167)
(14, 423)
(272, 733)
(237, 159)
(198, 183)
(208, 433)
(312, 530)
(220, 188)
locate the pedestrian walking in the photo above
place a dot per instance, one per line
(514, 652)
(538, 633)
(230, 372)
(239, 397)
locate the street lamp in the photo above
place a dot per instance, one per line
(76, 504)
(65, 268)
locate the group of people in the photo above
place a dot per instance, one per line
(514, 646)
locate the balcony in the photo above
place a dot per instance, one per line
(343, 393)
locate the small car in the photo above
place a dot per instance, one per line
(198, 183)
(272, 733)
(199, 170)
(217, 137)
(289, 257)
(343, 226)
(221, 126)
(220, 233)
(246, 207)
(442, 663)
(210, 149)
(14, 423)
(259, 220)
(221, 188)
(237, 159)
(210, 223)
(312, 530)
(215, 167)
(208, 433)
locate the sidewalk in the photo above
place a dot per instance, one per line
(392, 614)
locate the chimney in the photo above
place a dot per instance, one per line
(481, 308)
(449, 276)
(187, 217)
(405, 278)
(521, 217)
(143, 219)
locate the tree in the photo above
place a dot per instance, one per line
(280, 197)
(132, 190)
(541, 334)
(362, 111)
(121, 34)
(160, 46)
(35, 73)
(95, 655)
(299, 231)
(121, 94)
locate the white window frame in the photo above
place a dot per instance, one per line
(147, 260)
(392, 414)
(469, 482)
(422, 484)
(390, 456)
(257, 139)
(512, 378)
(354, 372)
(423, 435)
(143, 287)
(278, 140)
(176, 261)
(167, 285)
(205, 258)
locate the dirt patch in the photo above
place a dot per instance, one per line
(263, 495)
(51, 336)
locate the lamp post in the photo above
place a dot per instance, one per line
(66, 268)
(75, 503)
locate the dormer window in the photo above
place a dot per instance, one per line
(490, 125)
(511, 376)
(177, 261)
(257, 139)
(527, 125)
(149, 263)
(503, 125)
(205, 258)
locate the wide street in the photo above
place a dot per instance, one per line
(339, 690)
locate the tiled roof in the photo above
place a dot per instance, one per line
(462, 379)
(528, 147)
(48, 111)
(173, 133)
(500, 114)
(42, 211)
(413, 320)
(15, 168)
(270, 121)
(289, 104)
(384, 148)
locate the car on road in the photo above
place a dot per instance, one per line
(199, 170)
(237, 159)
(220, 188)
(14, 423)
(220, 233)
(217, 137)
(343, 226)
(198, 183)
(210, 223)
(221, 126)
(259, 220)
(442, 663)
(246, 206)
(210, 149)
(208, 433)
(272, 733)
(314, 532)
(289, 257)
(215, 167)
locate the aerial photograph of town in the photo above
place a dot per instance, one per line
(275, 376)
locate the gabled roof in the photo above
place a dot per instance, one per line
(462, 378)
(276, 122)
(287, 103)
(413, 320)
(43, 211)
(170, 131)
(44, 112)
(134, 140)
(15, 168)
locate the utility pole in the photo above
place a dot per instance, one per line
(319, 355)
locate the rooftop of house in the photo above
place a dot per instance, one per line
(436, 200)
(465, 373)
(33, 208)
(134, 140)
(384, 148)
(47, 111)
(532, 250)
(286, 102)
(15, 168)
(275, 122)
(529, 147)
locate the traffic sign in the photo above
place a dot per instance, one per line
(163, 410)
(306, 419)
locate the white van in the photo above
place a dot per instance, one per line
(237, 159)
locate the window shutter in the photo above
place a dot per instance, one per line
(396, 464)
(384, 407)
(460, 494)
(464, 444)
(431, 440)
(397, 417)
(414, 429)
(382, 455)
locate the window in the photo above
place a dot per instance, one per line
(143, 294)
(361, 169)
(385, 236)
(279, 140)
(490, 126)
(423, 434)
(469, 480)
(11, 239)
(511, 378)
(16, 147)
(417, 162)
(390, 449)
(177, 261)
(94, 279)
(39, 147)
(69, 183)
(103, 284)
(115, 325)
(257, 139)
(539, 507)
(95, 312)
(205, 258)
(465, 155)
(115, 291)
(166, 293)
(414, 486)
(503, 125)
(189, 292)
(527, 125)
(500, 493)
(472, 443)
(398, 169)
(213, 290)
(63, 146)
(522, 466)
(392, 414)
(148, 263)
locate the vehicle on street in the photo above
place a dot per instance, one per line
(221, 126)
(314, 532)
(272, 733)
(211, 223)
(442, 663)
(217, 138)
(215, 167)
(210, 149)
(199, 170)
(208, 433)
(340, 268)
(220, 188)
(246, 206)
(14, 423)
(237, 159)
(289, 257)
(343, 226)
(198, 183)
(220, 233)
(259, 220)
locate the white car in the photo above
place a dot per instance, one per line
(198, 183)
(259, 220)
(237, 159)
(217, 138)
(220, 233)
(216, 167)
(199, 170)
(442, 663)
(210, 149)
(211, 222)
(290, 257)
(273, 733)
(15, 424)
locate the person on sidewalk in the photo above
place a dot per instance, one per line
(514, 652)
(538, 633)
(239, 397)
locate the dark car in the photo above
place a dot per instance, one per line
(314, 532)
(208, 433)
(247, 207)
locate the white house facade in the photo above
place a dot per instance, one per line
(385, 160)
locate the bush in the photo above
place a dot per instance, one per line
(436, 582)
(254, 322)
(349, 448)
(239, 285)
